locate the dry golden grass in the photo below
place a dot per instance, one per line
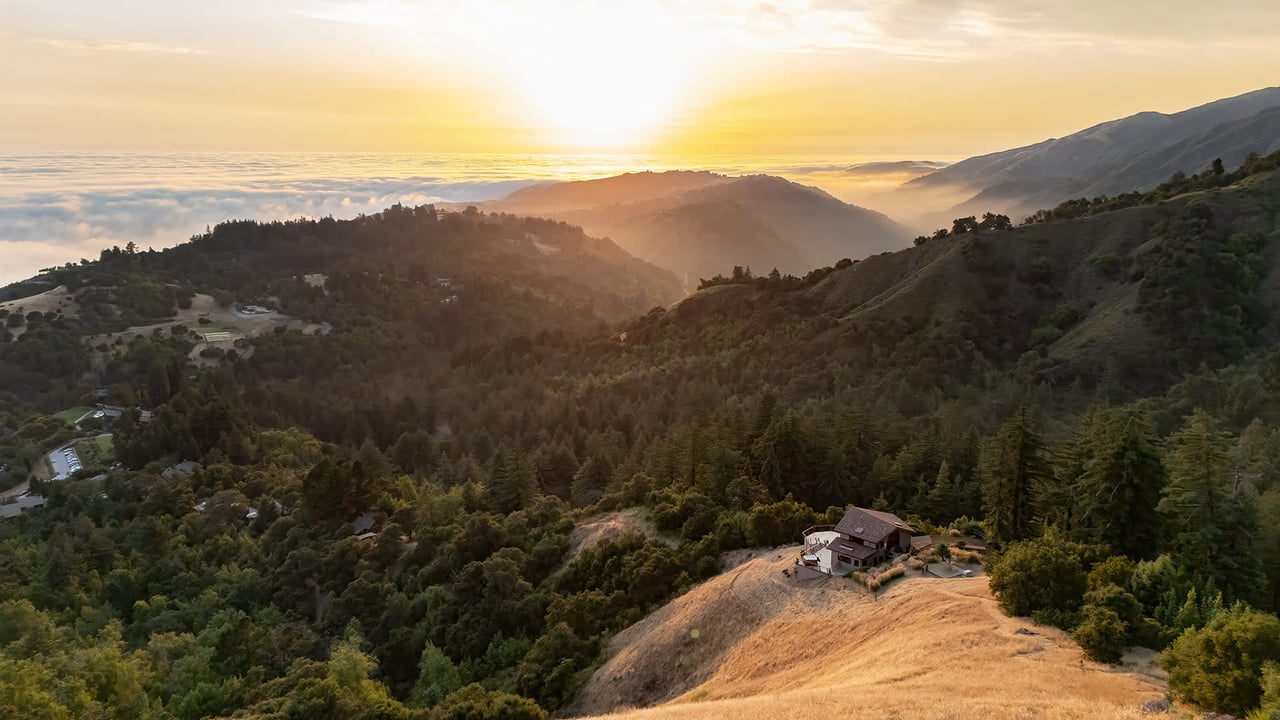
(48, 302)
(608, 526)
(770, 646)
(219, 319)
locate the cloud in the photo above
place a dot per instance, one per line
(922, 29)
(113, 46)
(59, 208)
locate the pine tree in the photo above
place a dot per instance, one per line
(1119, 484)
(590, 481)
(782, 454)
(940, 502)
(1210, 514)
(1012, 467)
(513, 482)
(556, 466)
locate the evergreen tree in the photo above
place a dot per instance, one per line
(1119, 485)
(437, 677)
(556, 467)
(783, 458)
(1211, 515)
(513, 482)
(590, 481)
(1012, 467)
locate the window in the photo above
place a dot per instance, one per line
(845, 559)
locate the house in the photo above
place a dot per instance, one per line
(862, 538)
(367, 525)
(21, 504)
(186, 467)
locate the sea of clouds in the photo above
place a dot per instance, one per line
(58, 208)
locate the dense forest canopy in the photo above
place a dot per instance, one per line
(378, 525)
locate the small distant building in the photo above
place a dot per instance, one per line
(367, 525)
(444, 282)
(64, 462)
(451, 300)
(112, 413)
(217, 336)
(21, 505)
(862, 538)
(186, 467)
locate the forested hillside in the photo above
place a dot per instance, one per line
(1095, 395)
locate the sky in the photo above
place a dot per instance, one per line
(930, 79)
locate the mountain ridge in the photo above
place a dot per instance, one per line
(1131, 153)
(662, 218)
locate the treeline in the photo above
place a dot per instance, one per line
(1179, 184)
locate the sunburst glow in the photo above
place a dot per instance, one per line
(598, 76)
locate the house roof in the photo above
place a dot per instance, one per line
(366, 522)
(857, 551)
(871, 525)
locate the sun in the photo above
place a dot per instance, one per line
(603, 76)
(594, 96)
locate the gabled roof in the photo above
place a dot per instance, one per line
(870, 525)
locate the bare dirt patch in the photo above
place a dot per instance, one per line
(609, 526)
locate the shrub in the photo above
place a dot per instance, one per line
(1041, 574)
(1270, 709)
(1121, 602)
(1219, 667)
(474, 702)
(1101, 634)
(779, 523)
(1115, 570)
(1109, 266)
(873, 580)
(1061, 619)
(890, 575)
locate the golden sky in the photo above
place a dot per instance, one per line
(874, 78)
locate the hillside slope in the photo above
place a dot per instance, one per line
(771, 646)
(1163, 287)
(700, 224)
(1131, 153)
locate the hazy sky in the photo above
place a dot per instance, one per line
(925, 78)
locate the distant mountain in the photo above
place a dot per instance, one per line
(699, 224)
(1134, 153)
(616, 190)
(898, 167)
